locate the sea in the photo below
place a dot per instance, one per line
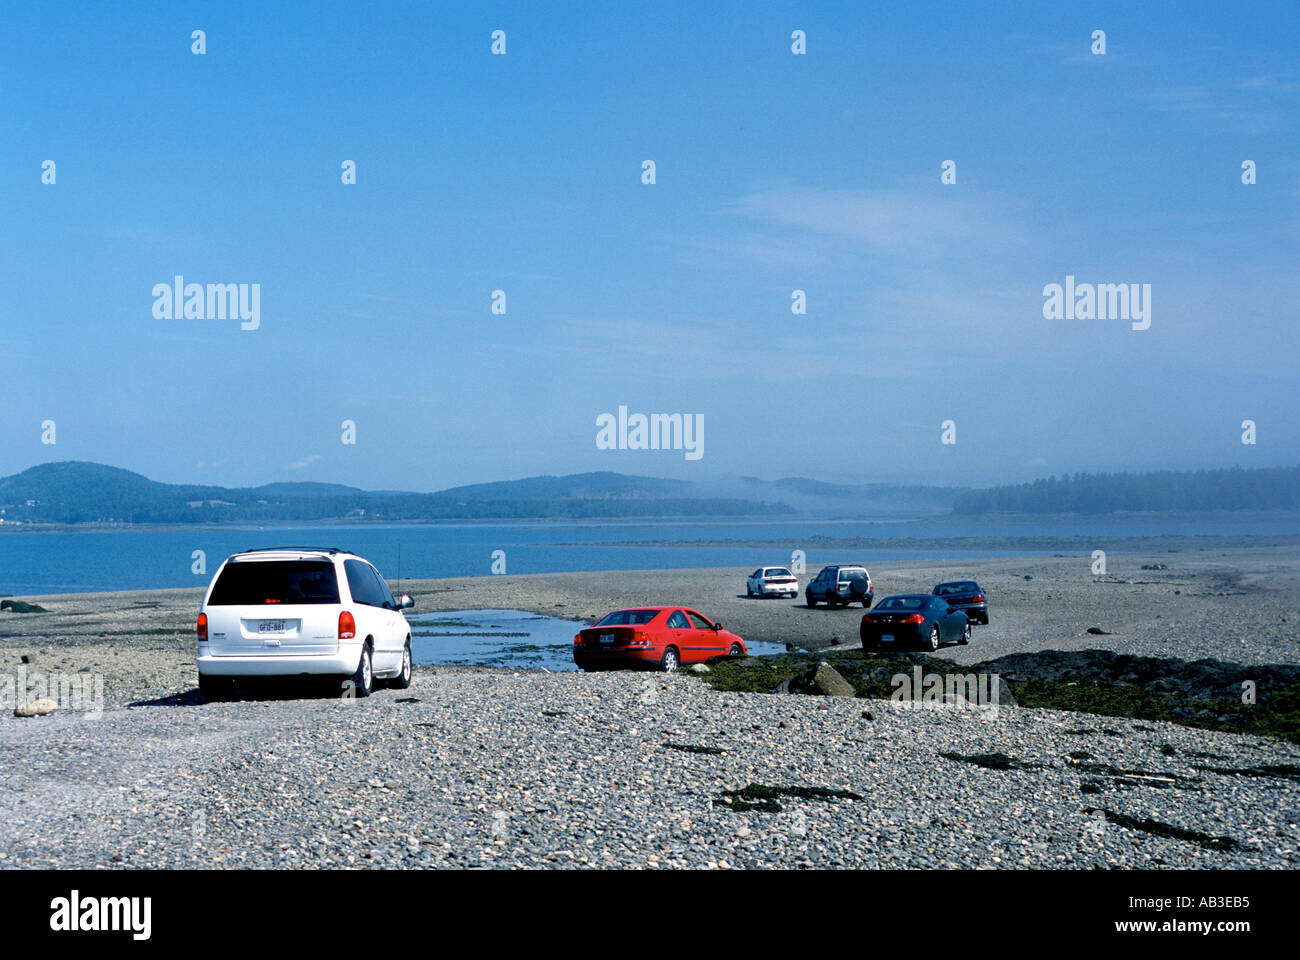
(73, 560)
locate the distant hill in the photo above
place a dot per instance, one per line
(1168, 490)
(79, 492)
(602, 486)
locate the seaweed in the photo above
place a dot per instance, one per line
(991, 761)
(760, 796)
(1161, 829)
(693, 748)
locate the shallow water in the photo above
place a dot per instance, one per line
(504, 638)
(145, 558)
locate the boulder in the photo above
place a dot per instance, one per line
(830, 683)
(19, 606)
(823, 680)
(700, 668)
(35, 708)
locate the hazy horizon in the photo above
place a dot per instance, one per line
(775, 172)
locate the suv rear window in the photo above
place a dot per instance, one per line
(245, 582)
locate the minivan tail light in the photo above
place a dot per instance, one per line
(203, 628)
(347, 626)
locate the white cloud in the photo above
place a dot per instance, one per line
(882, 220)
(303, 463)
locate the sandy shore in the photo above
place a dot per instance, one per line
(1235, 603)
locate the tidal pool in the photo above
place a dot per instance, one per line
(504, 638)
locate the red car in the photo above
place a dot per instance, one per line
(659, 637)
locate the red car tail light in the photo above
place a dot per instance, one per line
(347, 626)
(577, 638)
(979, 598)
(913, 618)
(203, 628)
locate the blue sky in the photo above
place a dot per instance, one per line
(775, 172)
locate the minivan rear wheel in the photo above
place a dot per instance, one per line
(403, 678)
(363, 681)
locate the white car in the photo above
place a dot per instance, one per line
(772, 582)
(289, 612)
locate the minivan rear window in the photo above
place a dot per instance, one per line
(249, 582)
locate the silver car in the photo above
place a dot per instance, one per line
(772, 582)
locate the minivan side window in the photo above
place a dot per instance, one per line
(385, 595)
(361, 581)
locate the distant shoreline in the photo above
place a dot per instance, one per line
(1119, 517)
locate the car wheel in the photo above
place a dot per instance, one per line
(671, 660)
(363, 681)
(403, 679)
(215, 689)
(734, 651)
(809, 597)
(749, 591)
(965, 632)
(934, 637)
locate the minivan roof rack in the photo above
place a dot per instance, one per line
(290, 549)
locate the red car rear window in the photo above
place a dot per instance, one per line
(628, 618)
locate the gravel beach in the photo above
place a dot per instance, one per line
(492, 768)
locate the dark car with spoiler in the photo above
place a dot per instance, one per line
(965, 595)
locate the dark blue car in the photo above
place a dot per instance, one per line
(913, 620)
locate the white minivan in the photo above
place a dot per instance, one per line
(289, 612)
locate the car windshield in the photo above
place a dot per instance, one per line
(246, 582)
(778, 572)
(901, 603)
(628, 618)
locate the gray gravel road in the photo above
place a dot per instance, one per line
(572, 770)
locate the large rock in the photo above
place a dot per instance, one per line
(35, 708)
(20, 606)
(823, 680)
(829, 683)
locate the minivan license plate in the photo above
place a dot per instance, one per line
(270, 626)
